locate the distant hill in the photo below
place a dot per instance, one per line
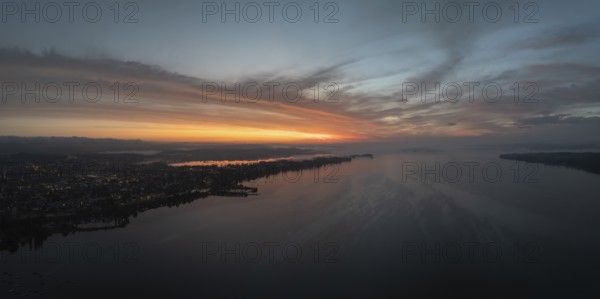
(70, 145)
(51, 148)
(588, 161)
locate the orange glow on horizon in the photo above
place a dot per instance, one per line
(240, 135)
(179, 132)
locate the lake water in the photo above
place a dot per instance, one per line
(476, 225)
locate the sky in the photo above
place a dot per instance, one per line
(338, 71)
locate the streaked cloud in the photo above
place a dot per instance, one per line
(363, 61)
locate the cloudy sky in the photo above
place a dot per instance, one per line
(338, 71)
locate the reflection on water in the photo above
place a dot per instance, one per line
(380, 228)
(222, 163)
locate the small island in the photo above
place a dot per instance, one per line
(587, 161)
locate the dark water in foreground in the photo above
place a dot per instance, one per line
(365, 229)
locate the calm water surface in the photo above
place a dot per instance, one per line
(366, 228)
